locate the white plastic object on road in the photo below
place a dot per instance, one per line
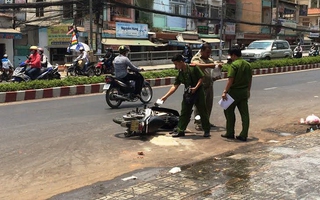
(175, 170)
(129, 178)
(312, 119)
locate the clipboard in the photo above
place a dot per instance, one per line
(226, 103)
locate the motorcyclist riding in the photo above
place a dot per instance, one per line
(298, 51)
(313, 49)
(6, 65)
(109, 57)
(34, 61)
(121, 63)
(84, 58)
(43, 57)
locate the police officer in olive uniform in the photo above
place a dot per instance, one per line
(191, 77)
(238, 87)
(203, 57)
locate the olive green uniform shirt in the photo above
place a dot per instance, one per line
(207, 81)
(241, 71)
(184, 77)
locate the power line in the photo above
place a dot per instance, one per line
(212, 19)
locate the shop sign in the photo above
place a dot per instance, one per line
(230, 29)
(57, 35)
(203, 30)
(10, 36)
(314, 35)
(239, 35)
(131, 30)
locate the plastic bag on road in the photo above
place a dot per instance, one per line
(312, 119)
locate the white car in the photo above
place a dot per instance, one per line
(266, 50)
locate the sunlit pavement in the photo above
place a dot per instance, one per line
(273, 170)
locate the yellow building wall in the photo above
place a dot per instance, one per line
(251, 12)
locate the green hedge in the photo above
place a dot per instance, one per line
(38, 84)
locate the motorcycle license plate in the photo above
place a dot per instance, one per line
(106, 86)
(134, 125)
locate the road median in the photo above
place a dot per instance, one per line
(33, 94)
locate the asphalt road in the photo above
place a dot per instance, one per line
(57, 145)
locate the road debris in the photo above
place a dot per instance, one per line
(129, 178)
(175, 170)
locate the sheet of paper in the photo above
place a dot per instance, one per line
(225, 104)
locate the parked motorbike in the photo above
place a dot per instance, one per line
(47, 73)
(118, 91)
(313, 52)
(75, 70)
(297, 54)
(102, 67)
(140, 122)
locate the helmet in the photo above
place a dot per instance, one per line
(33, 48)
(5, 56)
(123, 49)
(81, 49)
(40, 49)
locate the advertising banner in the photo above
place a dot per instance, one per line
(57, 35)
(131, 30)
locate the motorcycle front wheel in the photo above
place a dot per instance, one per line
(146, 93)
(111, 101)
(97, 71)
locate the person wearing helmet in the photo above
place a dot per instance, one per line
(6, 65)
(34, 61)
(108, 58)
(84, 59)
(121, 64)
(43, 58)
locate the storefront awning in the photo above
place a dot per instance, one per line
(184, 42)
(9, 33)
(211, 40)
(129, 42)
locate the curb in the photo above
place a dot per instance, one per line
(6, 97)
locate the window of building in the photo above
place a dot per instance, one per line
(68, 11)
(39, 11)
(315, 3)
(305, 21)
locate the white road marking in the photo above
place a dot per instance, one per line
(312, 82)
(271, 88)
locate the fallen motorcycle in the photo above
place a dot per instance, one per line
(140, 122)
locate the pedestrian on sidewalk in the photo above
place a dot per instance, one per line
(238, 87)
(192, 78)
(203, 57)
(187, 53)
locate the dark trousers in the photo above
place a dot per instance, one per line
(33, 72)
(241, 102)
(138, 81)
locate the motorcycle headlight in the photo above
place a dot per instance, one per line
(257, 55)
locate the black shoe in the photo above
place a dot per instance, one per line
(227, 136)
(178, 134)
(206, 134)
(244, 139)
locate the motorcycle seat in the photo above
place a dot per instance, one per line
(167, 110)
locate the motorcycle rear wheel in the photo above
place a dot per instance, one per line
(146, 94)
(112, 103)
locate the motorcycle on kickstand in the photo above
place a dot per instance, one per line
(148, 120)
(76, 70)
(118, 91)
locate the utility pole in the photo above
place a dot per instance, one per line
(221, 28)
(91, 21)
(277, 18)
